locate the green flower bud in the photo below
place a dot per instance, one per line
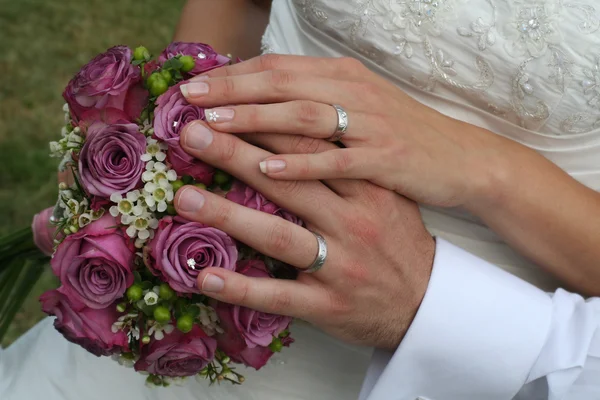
(167, 76)
(158, 85)
(177, 185)
(276, 345)
(73, 229)
(226, 360)
(141, 53)
(188, 63)
(135, 292)
(165, 292)
(241, 379)
(162, 314)
(146, 339)
(121, 307)
(185, 323)
(69, 128)
(284, 334)
(200, 185)
(221, 178)
(62, 186)
(128, 356)
(66, 231)
(171, 209)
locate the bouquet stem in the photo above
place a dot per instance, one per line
(21, 265)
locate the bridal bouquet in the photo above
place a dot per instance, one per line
(127, 263)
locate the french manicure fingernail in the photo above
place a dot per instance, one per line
(219, 114)
(190, 200)
(194, 89)
(271, 166)
(198, 136)
(212, 283)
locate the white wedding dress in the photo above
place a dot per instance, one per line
(528, 70)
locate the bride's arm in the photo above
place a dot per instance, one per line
(400, 144)
(230, 26)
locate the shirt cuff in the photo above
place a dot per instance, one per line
(477, 334)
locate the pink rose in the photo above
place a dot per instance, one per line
(89, 328)
(43, 231)
(243, 194)
(172, 113)
(108, 82)
(206, 57)
(248, 333)
(181, 249)
(178, 354)
(111, 159)
(94, 265)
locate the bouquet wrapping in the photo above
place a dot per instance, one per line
(127, 263)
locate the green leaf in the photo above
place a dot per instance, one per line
(138, 62)
(173, 63)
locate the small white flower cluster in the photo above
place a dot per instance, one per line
(209, 320)
(126, 322)
(147, 128)
(125, 361)
(76, 212)
(137, 207)
(134, 212)
(71, 138)
(159, 330)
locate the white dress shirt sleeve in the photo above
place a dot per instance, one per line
(483, 334)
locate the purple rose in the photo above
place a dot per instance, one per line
(111, 159)
(94, 265)
(43, 231)
(243, 194)
(178, 354)
(89, 328)
(181, 249)
(172, 113)
(108, 82)
(248, 333)
(206, 57)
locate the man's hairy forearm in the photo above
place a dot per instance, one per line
(230, 26)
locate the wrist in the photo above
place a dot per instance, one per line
(492, 175)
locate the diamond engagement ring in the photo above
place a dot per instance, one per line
(342, 124)
(321, 255)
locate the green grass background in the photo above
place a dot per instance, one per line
(42, 45)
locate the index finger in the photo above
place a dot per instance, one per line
(320, 66)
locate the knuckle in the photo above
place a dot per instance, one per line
(367, 90)
(279, 239)
(337, 304)
(269, 61)
(307, 113)
(228, 88)
(305, 145)
(350, 65)
(280, 301)
(252, 117)
(228, 150)
(363, 229)
(280, 80)
(342, 161)
(288, 189)
(242, 293)
(222, 215)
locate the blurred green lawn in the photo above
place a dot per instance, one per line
(42, 45)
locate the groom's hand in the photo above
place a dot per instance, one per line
(379, 253)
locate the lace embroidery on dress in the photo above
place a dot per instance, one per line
(530, 32)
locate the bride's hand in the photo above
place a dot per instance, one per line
(379, 254)
(392, 140)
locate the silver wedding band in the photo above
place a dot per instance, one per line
(342, 124)
(321, 255)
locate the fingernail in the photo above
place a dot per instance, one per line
(219, 114)
(198, 136)
(272, 166)
(212, 283)
(194, 89)
(190, 200)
